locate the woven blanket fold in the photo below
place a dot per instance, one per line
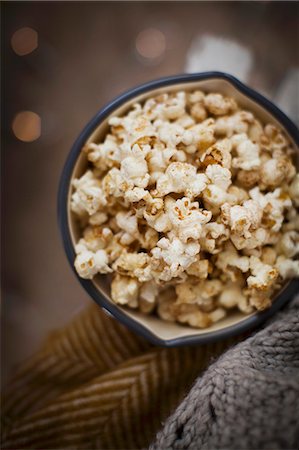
(248, 399)
(96, 385)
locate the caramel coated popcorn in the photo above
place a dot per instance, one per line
(190, 203)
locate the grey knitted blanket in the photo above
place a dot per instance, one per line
(248, 399)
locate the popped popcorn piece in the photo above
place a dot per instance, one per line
(219, 105)
(236, 195)
(155, 215)
(257, 238)
(127, 222)
(232, 296)
(149, 291)
(229, 260)
(106, 155)
(166, 106)
(215, 193)
(214, 196)
(135, 195)
(237, 123)
(98, 218)
(248, 178)
(193, 316)
(252, 252)
(174, 107)
(181, 178)
(160, 158)
(218, 153)
(217, 315)
(198, 111)
(199, 269)
(166, 300)
(288, 268)
(125, 290)
(114, 248)
(96, 238)
(134, 168)
(134, 130)
(218, 175)
(201, 294)
(190, 202)
(248, 153)
(147, 297)
(149, 239)
(115, 185)
(273, 205)
(160, 222)
(242, 219)
(260, 300)
(255, 131)
(173, 256)
(203, 136)
(273, 138)
(187, 218)
(77, 205)
(288, 245)
(213, 235)
(185, 121)
(195, 97)
(197, 108)
(263, 275)
(268, 255)
(135, 265)
(89, 195)
(275, 170)
(88, 264)
(169, 133)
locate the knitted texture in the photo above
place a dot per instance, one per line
(248, 399)
(95, 384)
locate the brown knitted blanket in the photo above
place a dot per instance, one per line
(96, 385)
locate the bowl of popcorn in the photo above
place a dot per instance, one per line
(177, 207)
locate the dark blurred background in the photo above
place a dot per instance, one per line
(61, 62)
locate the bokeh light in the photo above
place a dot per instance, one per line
(24, 41)
(26, 126)
(151, 43)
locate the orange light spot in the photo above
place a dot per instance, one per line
(24, 41)
(26, 126)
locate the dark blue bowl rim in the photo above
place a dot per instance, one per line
(245, 325)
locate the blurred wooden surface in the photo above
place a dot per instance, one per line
(86, 55)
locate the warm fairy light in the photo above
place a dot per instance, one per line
(150, 43)
(24, 41)
(26, 126)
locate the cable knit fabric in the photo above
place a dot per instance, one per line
(248, 399)
(96, 385)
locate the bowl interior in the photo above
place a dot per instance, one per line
(161, 329)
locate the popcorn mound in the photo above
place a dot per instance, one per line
(190, 202)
